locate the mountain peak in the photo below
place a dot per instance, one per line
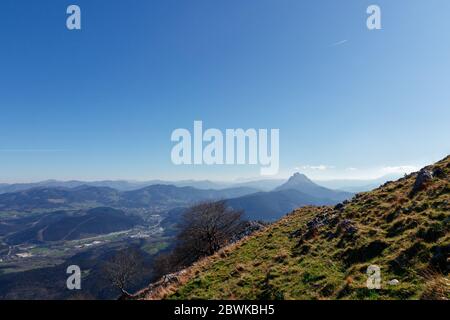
(296, 180)
(302, 183)
(297, 176)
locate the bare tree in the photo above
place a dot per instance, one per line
(121, 270)
(204, 229)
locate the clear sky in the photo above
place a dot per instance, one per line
(101, 103)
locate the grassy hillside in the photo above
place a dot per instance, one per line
(324, 252)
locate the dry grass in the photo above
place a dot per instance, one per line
(437, 286)
(161, 290)
(398, 233)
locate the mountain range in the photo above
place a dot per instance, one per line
(122, 185)
(260, 184)
(154, 196)
(297, 191)
(399, 232)
(45, 225)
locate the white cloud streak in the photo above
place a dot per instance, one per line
(339, 43)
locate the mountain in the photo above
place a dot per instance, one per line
(302, 183)
(257, 205)
(270, 206)
(16, 187)
(202, 184)
(120, 185)
(263, 185)
(177, 196)
(124, 185)
(85, 196)
(298, 191)
(51, 198)
(65, 225)
(401, 229)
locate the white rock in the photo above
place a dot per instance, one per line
(394, 282)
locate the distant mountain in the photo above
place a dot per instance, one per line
(53, 198)
(298, 191)
(15, 187)
(177, 196)
(123, 185)
(202, 184)
(269, 206)
(302, 183)
(120, 185)
(85, 196)
(67, 225)
(263, 185)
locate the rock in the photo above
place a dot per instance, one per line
(393, 282)
(169, 278)
(311, 230)
(154, 288)
(438, 172)
(247, 229)
(423, 177)
(347, 227)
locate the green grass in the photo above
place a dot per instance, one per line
(153, 248)
(395, 231)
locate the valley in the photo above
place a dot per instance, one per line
(47, 228)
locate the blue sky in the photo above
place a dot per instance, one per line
(101, 103)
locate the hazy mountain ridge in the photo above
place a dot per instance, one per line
(90, 196)
(125, 185)
(296, 192)
(260, 184)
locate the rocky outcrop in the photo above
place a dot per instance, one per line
(423, 178)
(248, 228)
(163, 284)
